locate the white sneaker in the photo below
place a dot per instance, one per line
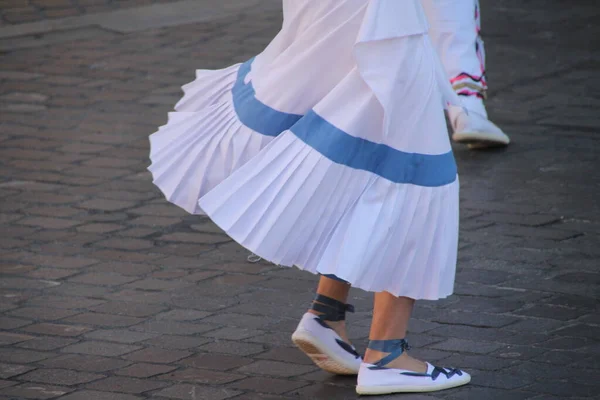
(380, 380)
(476, 130)
(321, 343)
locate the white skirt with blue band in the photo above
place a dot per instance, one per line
(361, 184)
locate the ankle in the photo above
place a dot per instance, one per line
(404, 361)
(372, 356)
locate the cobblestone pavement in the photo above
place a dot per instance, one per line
(109, 293)
(21, 11)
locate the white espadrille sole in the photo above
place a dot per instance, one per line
(375, 390)
(321, 354)
(374, 381)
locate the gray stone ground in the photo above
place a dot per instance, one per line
(110, 293)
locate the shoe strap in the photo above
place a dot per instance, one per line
(393, 346)
(330, 309)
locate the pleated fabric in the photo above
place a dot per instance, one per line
(327, 151)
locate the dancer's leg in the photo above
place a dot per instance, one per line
(454, 30)
(390, 321)
(338, 290)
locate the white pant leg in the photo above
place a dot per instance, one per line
(454, 30)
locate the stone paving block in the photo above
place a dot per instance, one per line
(173, 327)
(51, 273)
(201, 238)
(99, 278)
(288, 285)
(239, 279)
(126, 385)
(591, 362)
(568, 343)
(22, 283)
(559, 357)
(46, 343)
(95, 395)
(193, 392)
(169, 273)
(202, 376)
(275, 339)
(21, 356)
(59, 376)
(85, 363)
(57, 329)
(49, 223)
(56, 261)
(157, 355)
(276, 368)
(34, 391)
(105, 320)
(100, 348)
(129, 309)
(231, 333)
(124, 256)
(137, 232)
(473, 392)
(536, 325)
(527, 220)
(129, 269)
(159, 210)
(120, 335)
(473, 319)
(218, 362)
(486, 363)
(155, 221)
(18, 75)
(233, 348)
(552, 312)
(260, 396)
(527, 339)
(518, 352)
(467, 346)
(561, 390)
(178, 342)
(39, 313)
(126, 244)
(141, 296)
(183, 249)
(500, 380)
(200, 276)
(286, 354)
(182, 315)
(482, 276)
(144, 370)
(7, 338)
(324, 391)
(63, 302)
(267, 385)
(4, 384)
(10, 370)
(158, 284)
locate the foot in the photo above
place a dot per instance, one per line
(396, 372)
(321, 335)
(476, 130)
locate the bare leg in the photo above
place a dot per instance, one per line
(336, 290)
(390, 321)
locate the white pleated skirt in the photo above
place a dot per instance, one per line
(328, 151)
